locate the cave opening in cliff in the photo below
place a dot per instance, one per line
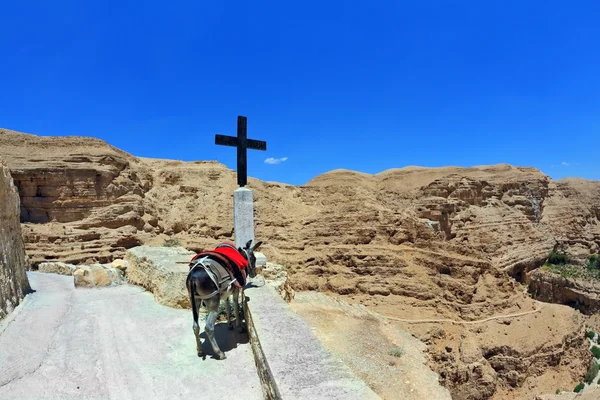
(519, 276)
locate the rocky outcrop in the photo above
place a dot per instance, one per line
(492, 359)
(89, 276)
(581, 294)
(440, 242)
(588, 393)
(58, 267)
(87, 190)
(162, 271)
(276, 276)
(13, 280)
(98, 275)
(78, 178)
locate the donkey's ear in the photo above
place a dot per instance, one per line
(256, 246)
(249, 244)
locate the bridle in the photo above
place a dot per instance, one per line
(247, 256)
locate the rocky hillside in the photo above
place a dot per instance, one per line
(13, 280)
(411, 243)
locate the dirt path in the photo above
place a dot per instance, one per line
(114, 343)
(451, 321)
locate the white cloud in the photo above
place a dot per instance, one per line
(274, 161)
(566, 164)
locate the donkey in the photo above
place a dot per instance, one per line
(208, 283)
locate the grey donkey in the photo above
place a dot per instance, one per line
(208, 283)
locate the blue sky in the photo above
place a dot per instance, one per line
(328, 84)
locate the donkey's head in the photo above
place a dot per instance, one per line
(248, 253)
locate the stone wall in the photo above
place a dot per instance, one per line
(13, 280)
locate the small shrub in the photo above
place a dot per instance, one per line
(591, 335)
(592, 372)
(579, 387)
(171, 243)
(593, 261)
(558, 258)
(595, 351)
(396, 351)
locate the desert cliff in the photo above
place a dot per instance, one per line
(13, 280)
(458, 244)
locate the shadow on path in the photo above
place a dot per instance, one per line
(226, 339)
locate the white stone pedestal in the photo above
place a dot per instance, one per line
(243, 216)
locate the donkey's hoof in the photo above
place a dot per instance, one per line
(200, 354)
(222, 356)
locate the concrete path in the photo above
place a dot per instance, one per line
(114, 343)
(301, 367)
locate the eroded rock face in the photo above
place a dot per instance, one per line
(78, 178)
(76, 194)
(578, 293)
(13, 280)
(411, 243)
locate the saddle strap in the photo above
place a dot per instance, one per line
(234, 272)
(213, 277)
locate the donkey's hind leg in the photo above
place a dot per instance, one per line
(228, 309)
(212, 305)
(197, 332)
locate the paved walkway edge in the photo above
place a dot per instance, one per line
(291, 361)
(262, 365)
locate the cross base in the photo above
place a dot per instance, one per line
(243, 216)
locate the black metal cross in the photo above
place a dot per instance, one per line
(242, 143)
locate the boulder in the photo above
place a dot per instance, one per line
(97, 275)
(119, 264)
(82, 277)
(162, 271)
(60, 268)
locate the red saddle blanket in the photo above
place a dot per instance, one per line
(227, 254)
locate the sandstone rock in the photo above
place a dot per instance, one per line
(83, 277)
(82, 181)
(97, 275)
(579, 293)
(57, 268)
(157, 270)
(13, 280)
(276, 276)
(100, 275)
(119, 264)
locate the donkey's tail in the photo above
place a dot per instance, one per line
(193, 300)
